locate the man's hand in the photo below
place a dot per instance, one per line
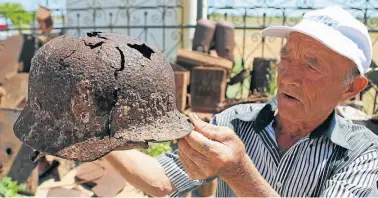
(210, 150)
(213, 150)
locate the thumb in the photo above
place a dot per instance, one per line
(206, 129)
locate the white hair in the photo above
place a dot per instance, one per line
(350, 76)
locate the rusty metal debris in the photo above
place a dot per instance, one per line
(224, 40)
(44, 19)
(203, 35)
(14, 158)
(208, 86)
(91, 94)
(9, 55)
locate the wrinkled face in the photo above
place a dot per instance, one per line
(309, 79)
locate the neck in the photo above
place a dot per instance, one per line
(288, 132)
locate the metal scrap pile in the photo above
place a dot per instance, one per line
(202, 73)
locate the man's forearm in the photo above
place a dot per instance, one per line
(141, 171)
(245, 180)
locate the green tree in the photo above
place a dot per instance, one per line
(10, 188)
(16, 13)
(156, 149)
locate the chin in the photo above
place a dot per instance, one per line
(290, 111)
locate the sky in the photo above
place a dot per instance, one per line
(32, 4)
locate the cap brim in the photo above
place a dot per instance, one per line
(278, 31)
(332, 39)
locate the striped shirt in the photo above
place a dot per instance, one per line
(338, 159)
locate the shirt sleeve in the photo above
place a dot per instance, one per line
(176, 173)
(356, 180)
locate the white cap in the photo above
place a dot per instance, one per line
(336, 29)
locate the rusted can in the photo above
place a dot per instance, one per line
(224, 40)
(203, 35)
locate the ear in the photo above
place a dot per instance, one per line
(355, 87)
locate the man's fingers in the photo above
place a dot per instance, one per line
(208, 130)
(188, 164)
(192, 166)
(199, 142)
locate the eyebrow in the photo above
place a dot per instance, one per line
(284, 51)
(313, 61)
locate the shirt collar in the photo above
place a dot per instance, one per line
(330, 127)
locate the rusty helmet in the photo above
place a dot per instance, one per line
(90, 95)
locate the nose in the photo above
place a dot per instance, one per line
(291, 74)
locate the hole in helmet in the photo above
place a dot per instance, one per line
(143, 49)
(8, 151)
(92, 34)
(92, 46)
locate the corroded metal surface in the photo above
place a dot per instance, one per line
(208, 86)
(14, 161)
(224, 40)
(91, 94)
(203, 35)
(9, 144)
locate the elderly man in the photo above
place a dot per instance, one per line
(294, 145)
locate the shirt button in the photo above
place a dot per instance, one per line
(279, 184)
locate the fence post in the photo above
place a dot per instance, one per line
(201, 9)
(63, 31)
(262, 37)
(244, 35)
(145, 26)
(94, 18)
(78, 24)
(111, 21)
(163, 17)
(283, 23)
(19, 24)
(128, 20)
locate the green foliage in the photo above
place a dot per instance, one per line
(16, 13)
(272, 79)
(9, 188)
(156, 149)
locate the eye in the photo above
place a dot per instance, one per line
(285, 58)
(312, 68)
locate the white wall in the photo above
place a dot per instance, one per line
(155, 37)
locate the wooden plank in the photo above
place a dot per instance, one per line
(130, 191)
(90, 172)
(110, 184)
(68, 182)
(63, 192)
(107, 181)
(182, 80)
(190, 59)
(208, 87)
(16, 89)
